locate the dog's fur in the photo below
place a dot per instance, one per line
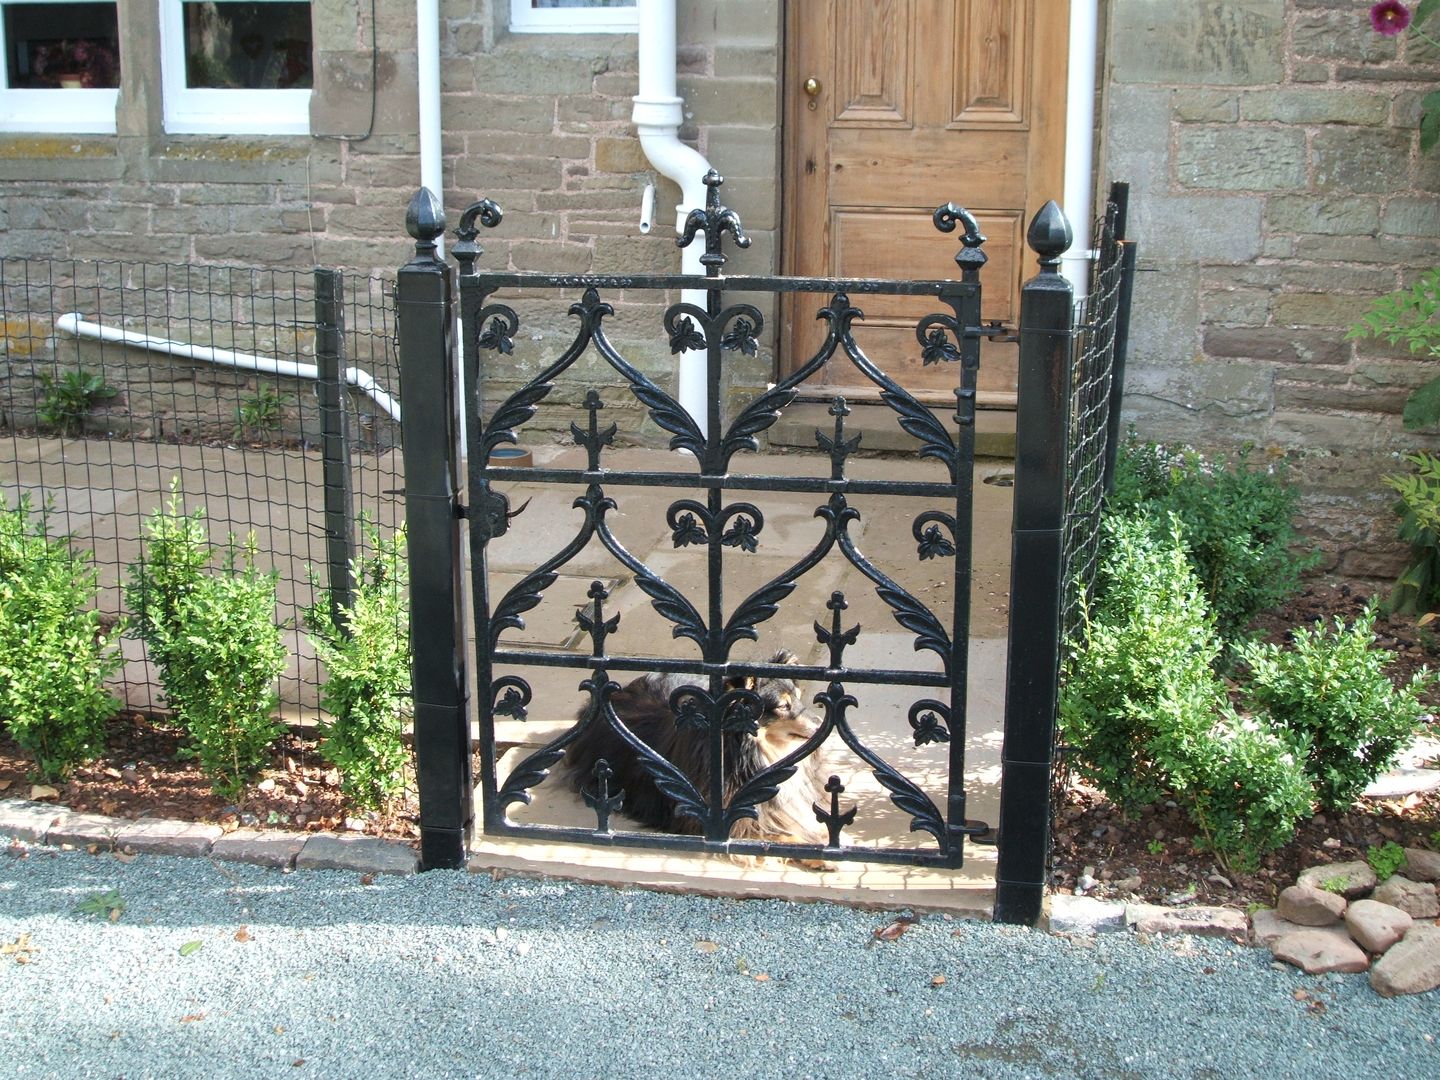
(643, 706)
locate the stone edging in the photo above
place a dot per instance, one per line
(1353, 924)
(39, 823)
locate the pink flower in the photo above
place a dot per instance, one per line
(1389, 17)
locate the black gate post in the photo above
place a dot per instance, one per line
(1032, 679)
(335, 441)
(432, 511)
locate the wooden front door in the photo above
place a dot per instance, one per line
(915, 103)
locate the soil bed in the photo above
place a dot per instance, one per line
(1150, 856)
(1157, 845)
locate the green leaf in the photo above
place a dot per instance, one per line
(1424, 10)
(190, 948)
(1422, 407)
(1430, 120)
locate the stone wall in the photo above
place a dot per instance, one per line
(539, 122)
(1278, 188)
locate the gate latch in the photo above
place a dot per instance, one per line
(490, 514)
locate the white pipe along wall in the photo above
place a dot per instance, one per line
(657, 116)
(75, 326)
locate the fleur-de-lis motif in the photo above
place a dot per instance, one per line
(838, 447)
(714, 220)
(591, 437)
(593, 621)
(833, 820)
(601, 800)
(835, 637)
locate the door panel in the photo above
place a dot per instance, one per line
(919, 103)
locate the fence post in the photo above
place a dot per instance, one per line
(1120, 196)
(432, 511)
(335, 441)
(1036, 590)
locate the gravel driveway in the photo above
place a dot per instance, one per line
(320, 973)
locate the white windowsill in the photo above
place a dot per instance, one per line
(65, 112)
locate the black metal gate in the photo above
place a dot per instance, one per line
(712, 697)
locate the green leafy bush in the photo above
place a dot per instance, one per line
(215, 641)
(54, 654)
(1142, 667)
(66, 401)
(1411, 317)
(1145, 714)
(1329, 690)
(1417, 590)
(366, 653)
(1235, 520)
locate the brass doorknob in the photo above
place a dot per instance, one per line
(812, 86)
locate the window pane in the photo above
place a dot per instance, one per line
(52, 46)
(232, 46)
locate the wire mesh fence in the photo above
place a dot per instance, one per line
(121, 380)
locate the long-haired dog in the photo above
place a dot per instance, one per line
(645, 707)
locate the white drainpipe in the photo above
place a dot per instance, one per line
(658, 114)
(1078, 197)
(427, 62)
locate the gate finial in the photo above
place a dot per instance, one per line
(467, 249)
(969, 258)
(425, 221)
(714, 220)
(1049, 236)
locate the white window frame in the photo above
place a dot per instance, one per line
(71, 112)
(525, 19)
(208, 111)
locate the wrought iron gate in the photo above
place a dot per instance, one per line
(708, 682)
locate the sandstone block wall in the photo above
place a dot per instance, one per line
(1277, 189)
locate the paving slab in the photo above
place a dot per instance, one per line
(83, 829)
(261, 847)
(366, 854)
(26, 820)
(160, 836)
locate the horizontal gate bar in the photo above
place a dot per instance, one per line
(796, 672)
(727, 482)
(738, 283)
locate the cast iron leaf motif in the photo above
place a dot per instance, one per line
(498, 336)
(938, 348)
(741, 336)
(691, 712)
(741, 534)
(934, 543)
(668, 413)
(740, 712)
(686, 336)
(688, 531)
(929, 729)
(515, 698)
